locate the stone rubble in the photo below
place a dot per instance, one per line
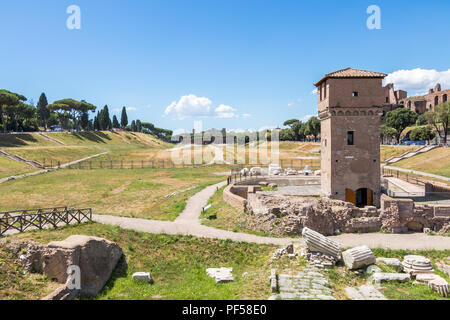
(221, 275)
(373, 269)
(358, 257)
(309, 284)
(318, 259)
(379, 277)
(393, 262)
(413, 265)
(289, 250)
(364, 293)
(143, 277)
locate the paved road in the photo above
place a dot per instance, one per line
(188, 223)
(406, 186)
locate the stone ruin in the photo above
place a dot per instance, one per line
(95, 257)
(362, 257)
(283, 214)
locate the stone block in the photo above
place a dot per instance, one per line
(393, 262)
(386, 277)
(143, 277)
(358, 257)
(221, 274)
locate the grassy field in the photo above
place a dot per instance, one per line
(10, 167)
(178, 265)
(436, 161)
(129, 192)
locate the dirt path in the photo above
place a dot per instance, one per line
(435, 176)
(51, 139)
(188, 223)
(25, 175)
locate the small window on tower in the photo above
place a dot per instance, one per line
(355, 94)
(350, 138)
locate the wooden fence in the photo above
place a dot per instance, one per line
(23, 220)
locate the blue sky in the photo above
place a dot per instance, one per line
(233, 64)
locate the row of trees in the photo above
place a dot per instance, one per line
(300, 131)
(425, 126)
(70, 114)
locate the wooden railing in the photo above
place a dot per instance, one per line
(23, 220)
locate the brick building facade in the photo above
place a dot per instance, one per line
(351, 104)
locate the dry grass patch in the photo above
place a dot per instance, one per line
(129, 192)
(436, 161)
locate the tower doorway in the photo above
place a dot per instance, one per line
(364, 197)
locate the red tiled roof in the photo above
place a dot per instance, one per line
(352, 73)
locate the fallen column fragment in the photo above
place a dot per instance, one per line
(358, 257)
(319, 243)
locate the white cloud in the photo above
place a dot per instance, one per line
(290, 104)
(131, 109)
(193, 106)
(315, 91)
(189, 106)
(418, 81)
(246, 115)
(224, 111)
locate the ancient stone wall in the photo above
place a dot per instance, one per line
(234, 200)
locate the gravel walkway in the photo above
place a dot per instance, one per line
(420, 173)
(188, 223)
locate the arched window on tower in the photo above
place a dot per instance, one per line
(444, 98)
(436, 100)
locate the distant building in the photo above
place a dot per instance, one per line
(422, 104)
(350, 104)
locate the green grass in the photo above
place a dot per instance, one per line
(223, 216)
(10, 167)
(128, 192)
(178, 265)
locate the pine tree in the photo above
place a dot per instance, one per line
(124, 118)
(43, 113)
(104, 119)
(115, 122)
(96, 123)
(84, 120)
(133, 126)
(138, 126)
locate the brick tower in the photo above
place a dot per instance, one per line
(350, 111)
